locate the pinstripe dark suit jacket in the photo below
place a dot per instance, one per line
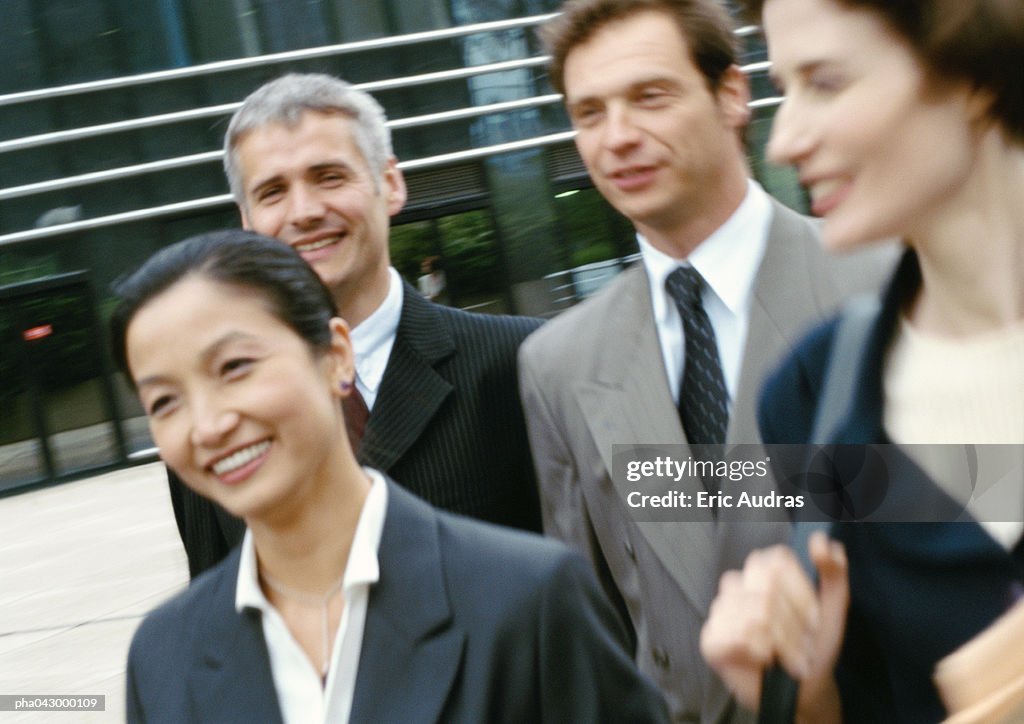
(446, 424)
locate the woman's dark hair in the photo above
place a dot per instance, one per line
(980, 41)
(292, 290)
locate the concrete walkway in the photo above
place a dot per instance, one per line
(80, 564)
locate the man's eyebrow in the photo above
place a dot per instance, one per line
(662, 80)
(315, 168)
(582, 101)
(262, 183)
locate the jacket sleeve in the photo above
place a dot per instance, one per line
(586, 674)
(563, 509)
(133, 707)
(561, 498)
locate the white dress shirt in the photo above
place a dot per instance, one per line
(303, 698)
(374, 337)
(728, 261)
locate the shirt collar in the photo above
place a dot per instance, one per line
(362, 567)
(728, 259)
(373, 337)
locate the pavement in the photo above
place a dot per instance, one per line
(80, 564)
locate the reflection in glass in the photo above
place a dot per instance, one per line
(464, 248)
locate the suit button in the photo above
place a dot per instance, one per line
(660, 657)
(630, 551)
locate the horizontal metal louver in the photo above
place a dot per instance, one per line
(438, 186)
(565, 164)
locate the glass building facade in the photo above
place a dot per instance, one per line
(112, 114)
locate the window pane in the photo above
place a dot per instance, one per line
(591, 228)
(462, 252)
(471, 262)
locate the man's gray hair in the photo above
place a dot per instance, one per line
(285, 99)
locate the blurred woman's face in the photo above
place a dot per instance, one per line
(881, 149)
(240, 406)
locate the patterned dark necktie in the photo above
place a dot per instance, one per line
(356, 415)
(703, 400)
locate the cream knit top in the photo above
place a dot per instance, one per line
(957, 391)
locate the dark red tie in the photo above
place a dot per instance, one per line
(356, 414)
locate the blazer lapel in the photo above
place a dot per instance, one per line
(788, 297)
(784, 304)
(411, 651)
(232, 681)
(412, 390)
(628, 402)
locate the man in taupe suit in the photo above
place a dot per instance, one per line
(660, 107)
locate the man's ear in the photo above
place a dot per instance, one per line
(734, 97)
(394, 186)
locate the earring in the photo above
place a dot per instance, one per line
(346, 385)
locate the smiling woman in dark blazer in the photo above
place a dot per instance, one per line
(349, 598)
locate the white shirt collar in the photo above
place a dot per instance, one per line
(301, 694)
(362, 566)
(728, 259)
(374, 337)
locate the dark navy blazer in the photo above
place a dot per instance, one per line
(447, 424)
(918, 590)
(468, 623)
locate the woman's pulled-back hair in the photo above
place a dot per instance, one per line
(292, 290)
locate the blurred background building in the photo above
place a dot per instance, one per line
(112, 115)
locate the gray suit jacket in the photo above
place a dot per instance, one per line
(594, 377)
(468, 623)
